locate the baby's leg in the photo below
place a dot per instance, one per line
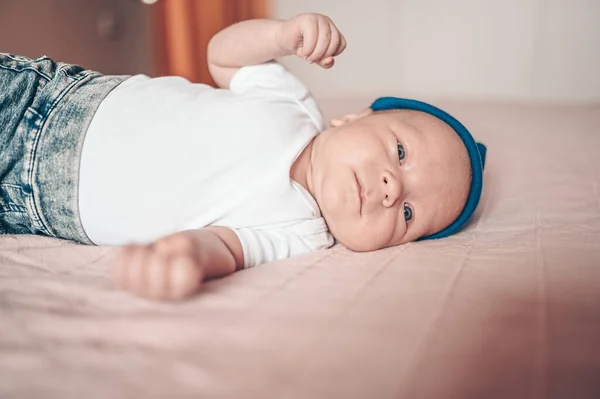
(45, 109)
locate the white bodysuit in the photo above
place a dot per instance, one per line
(164, 155)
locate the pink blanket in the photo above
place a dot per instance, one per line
(510, 307)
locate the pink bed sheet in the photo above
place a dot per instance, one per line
(510, 307)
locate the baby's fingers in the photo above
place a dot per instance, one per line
(327, 62)
(334, 43)
(156, 277)
(323, 41)
(310, 33)
(184, 277)
(342, 45)
(129, 268)
(149, 273)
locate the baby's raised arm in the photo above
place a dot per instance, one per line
(313, 37)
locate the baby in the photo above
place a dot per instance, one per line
(198, 182)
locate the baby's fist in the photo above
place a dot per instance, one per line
(171, 268)
(313, 37)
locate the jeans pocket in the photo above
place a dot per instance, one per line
(14, 218)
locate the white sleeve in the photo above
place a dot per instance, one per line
(270, 244)
(273, 80)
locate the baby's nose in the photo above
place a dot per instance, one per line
(391, 188)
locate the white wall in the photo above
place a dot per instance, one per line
(528, 50)
(79, 31)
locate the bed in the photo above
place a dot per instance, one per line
(510, 307)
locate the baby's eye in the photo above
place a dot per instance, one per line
(408, 212)
(401, 152)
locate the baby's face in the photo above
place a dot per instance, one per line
(389, 177)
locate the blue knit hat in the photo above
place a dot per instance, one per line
(475, 150)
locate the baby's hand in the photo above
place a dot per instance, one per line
(168, 269)
(313, 37)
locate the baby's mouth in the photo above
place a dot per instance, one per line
(359, 192)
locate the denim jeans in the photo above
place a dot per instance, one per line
(45, 110)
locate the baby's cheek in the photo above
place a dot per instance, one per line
(386, 233)
(401, 232)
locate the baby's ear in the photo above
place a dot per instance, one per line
(350, 117)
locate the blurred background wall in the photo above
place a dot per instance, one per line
(113, 36)
(525, 50)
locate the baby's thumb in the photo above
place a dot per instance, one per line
(327, 62)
